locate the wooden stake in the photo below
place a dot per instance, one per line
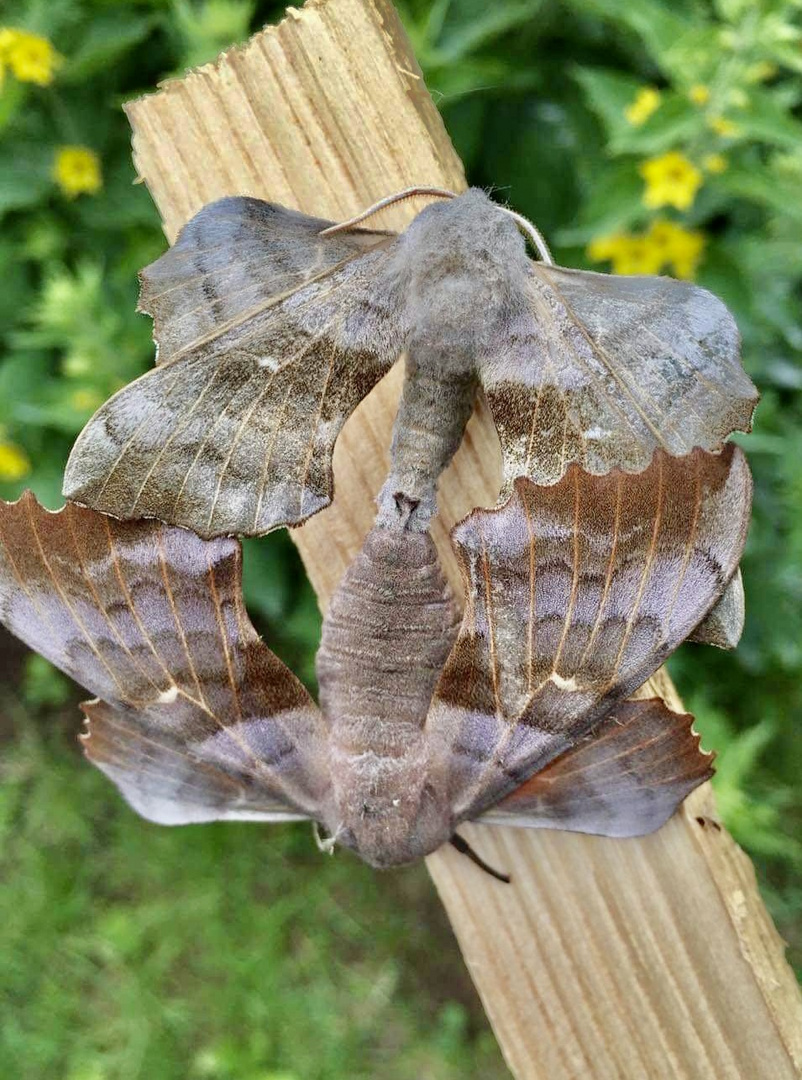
(605, 958)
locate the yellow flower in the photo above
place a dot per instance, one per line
(686, 252)
(637, 256)
(14, 462)
(30, 57)
(604, 248)
(77, 170)
(646, 101)
(671, 180)
(7, 38)
(628, 254)
(661, 235)
(699, 94)
(679, 248)
(664, 244)
(723, 127)
(715, 163)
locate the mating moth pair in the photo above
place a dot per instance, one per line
(618, 533)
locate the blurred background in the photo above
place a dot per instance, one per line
(647, 137)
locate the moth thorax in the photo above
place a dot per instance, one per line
(386, 636)
(461, 239)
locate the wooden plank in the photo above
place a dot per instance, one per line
(610, 959)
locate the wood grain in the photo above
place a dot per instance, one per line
(607, 959)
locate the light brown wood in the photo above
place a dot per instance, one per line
(604, 959)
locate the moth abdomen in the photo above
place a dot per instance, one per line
(385, 639)
(389, 629)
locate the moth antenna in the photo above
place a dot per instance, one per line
(389, 200)
(464, 848)
(534, 234)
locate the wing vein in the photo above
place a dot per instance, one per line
(658, 514)
(88, 578)
(608, 580)
(73, 613)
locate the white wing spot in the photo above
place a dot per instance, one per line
(563, 684)
(167, 697)
(596, 434)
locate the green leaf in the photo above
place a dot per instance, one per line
(768, 121)
(23, 375)
(681, 42)
(12, 96)
(613, 204)
(266, 582)
(608, 94)
(205, 29)
(17, 288)
(26, 179)
(107, 38)
(477, 32)
(675, 123)
(44, 684)
(464, 120)
(121, 204)
(448, 83)
(535, 166)
(764, 187)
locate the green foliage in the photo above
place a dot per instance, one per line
(43, 685)
(124, 949)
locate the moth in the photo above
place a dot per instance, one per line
(272, 326)
(575, 592)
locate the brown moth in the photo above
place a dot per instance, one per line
(575, 593)
(272, 326)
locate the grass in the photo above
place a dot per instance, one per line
(224, 951)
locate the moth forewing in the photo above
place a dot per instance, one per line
(269, 337)
(602, 370)
(272, 328)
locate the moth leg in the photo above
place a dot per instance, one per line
(464, 848)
